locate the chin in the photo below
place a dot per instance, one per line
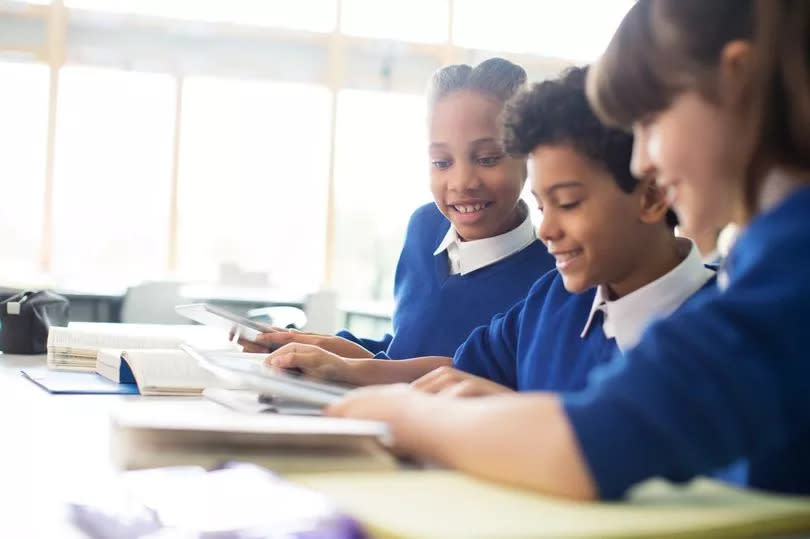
(575, 285)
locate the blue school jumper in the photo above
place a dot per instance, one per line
(436, 311)
(537, 345)
(727, 377)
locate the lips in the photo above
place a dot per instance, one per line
(468, 212)
(565, 259)
(470, 207)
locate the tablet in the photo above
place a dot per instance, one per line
(222, 318)
(258, 376)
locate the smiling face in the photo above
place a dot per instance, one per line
(692, 152)
(593, 229)
(474, 183)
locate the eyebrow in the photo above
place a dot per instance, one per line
(476, 142)
(563, 185)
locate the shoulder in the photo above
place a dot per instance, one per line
(780, 236)
(427, 215)
(549, 286)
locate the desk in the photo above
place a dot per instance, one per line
(55, 446)
(51, 448)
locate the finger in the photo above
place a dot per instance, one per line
(286, 349)
(441, 382)
(252, 348)
(426, 380)
(300, 356)
(464, 388)
(430, 378)
(337, 409)
(274, 337)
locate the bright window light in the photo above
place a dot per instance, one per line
(253, 178)
(24, 110)
(381, 177)
(423, 21)
(112, 174)
(577, 30)
(313, 15)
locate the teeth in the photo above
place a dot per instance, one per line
(563, 257)
(470, 209)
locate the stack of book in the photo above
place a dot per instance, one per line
(76, 347)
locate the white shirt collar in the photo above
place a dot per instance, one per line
(627, 317)
(468, 256)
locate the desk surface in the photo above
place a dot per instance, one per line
(51, 448)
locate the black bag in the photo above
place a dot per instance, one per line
(25, 319)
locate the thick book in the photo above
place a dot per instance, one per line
(199, 432)
(75, 348)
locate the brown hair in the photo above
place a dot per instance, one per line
(665, 47)
(662, 48)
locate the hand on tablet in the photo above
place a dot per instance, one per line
(456, 383)
(331, 343)
(312, 361)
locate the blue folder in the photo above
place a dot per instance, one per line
(76, 383)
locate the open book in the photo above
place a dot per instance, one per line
(160, 371)
(200, 432)
(75, 348)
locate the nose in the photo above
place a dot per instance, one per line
(641, 165)
(462, 177)
(549, 229)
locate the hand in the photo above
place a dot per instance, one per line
(331, 343)
(388, 403)
(456, 383)
(311, 360)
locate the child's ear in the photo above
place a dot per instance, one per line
(654, 205)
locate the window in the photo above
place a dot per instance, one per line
(112, 174)
(381, 177)
(252, 179)
(24, 109)
(553, 28)
(314, 15)
(408, 20)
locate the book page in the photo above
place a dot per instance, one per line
(168, 371)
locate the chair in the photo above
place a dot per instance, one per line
(152, 303)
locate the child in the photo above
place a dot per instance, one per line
(617, 258)
(717, 94)
(471, 254)
(619, 263)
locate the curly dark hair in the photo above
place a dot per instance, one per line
(557, 112)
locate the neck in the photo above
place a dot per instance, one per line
(659, 256)
(706, 240)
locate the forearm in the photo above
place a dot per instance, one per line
(524, 440)
(390, 371)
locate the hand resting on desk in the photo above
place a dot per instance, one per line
(457, 383)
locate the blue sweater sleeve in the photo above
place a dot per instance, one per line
(372, 345)
(722, 379)
(490, 350)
